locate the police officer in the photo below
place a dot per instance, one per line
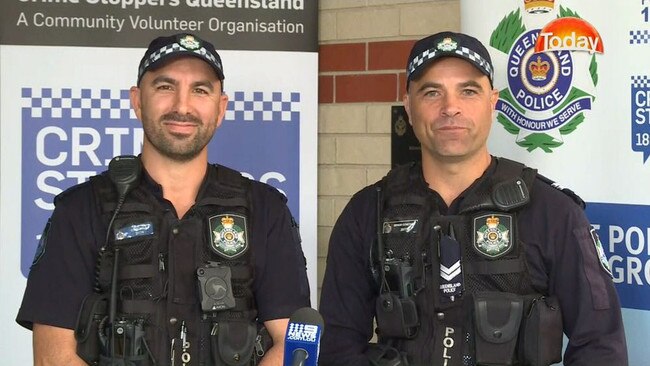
(465, 258)
(165, 259)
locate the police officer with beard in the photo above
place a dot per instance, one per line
(465, 258)
(166, 259)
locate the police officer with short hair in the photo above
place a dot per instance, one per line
(166, 259)
(465, 258)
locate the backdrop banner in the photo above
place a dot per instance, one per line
(65, 71)
(574, 102)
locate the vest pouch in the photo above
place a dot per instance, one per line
(233, 343)
(383, 355)
(497, 318)
(130, 347)
(541, 333)
(396, 317)
(86, 332)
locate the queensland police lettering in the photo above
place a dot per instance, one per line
(183, 290)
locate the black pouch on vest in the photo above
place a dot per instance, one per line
(86, 332)
(233, 343)
(383, 355)
(497, 317)
(540, 343)
(263, 342)
(396, 317)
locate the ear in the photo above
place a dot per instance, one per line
(136, 101)
(494, 97)
(223, 105)
(407, 106)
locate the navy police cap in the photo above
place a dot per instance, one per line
(164, 49)
(448, 44)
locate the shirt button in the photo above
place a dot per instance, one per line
(173, 321)
(175, 231)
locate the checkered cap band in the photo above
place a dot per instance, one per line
(463, 52)
(173, 48)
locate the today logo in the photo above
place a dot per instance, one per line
(569, 34)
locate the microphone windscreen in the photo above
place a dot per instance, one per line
(302, 340)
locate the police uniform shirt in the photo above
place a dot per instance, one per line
(560, 255)
(64, 274)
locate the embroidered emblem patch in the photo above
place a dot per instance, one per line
(189, 43)
(602, 257)
(447, 45)
(229, 235)
(492, 235)
(402, 226)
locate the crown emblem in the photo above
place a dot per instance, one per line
(189, 42)
(539, 6)
(227, 221)
(539, 69)
(492, 222)
(447, 44)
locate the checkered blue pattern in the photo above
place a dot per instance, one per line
(77, 103)
(640, 36)
(115, 104)
(464, 52)
(641, 81)
(263, 107)
(175, 47)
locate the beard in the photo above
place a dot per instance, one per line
(177, 147)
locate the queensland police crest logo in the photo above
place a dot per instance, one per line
(492, 235)
(549, 86)
(229, 235)
(189, 42)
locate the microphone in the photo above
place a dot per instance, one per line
(302, 341)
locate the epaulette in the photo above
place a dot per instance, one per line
(574, 197)
(274, 191)
(399, 178)
(68, 191)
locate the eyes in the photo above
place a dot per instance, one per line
(198, 90)
(436, 93)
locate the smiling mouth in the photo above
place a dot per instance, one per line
(180, 128)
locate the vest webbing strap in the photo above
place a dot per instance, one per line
(503, 266)
(129, 272)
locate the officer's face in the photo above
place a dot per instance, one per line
(450, 108)
(180, 105)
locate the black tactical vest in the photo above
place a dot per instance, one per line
(183, 287)
(413, 313)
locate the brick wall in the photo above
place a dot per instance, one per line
(364, 45)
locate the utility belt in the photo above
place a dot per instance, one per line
(234, 339)
(503, 328)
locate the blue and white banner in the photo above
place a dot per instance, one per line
(65, 110)
(574, 87)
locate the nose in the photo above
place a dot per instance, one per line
(450, 107)
(182, 102)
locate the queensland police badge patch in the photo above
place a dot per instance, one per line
(492, 235)
(228, 235)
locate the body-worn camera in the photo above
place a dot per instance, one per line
(215, 287)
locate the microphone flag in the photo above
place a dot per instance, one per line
(302, 340)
